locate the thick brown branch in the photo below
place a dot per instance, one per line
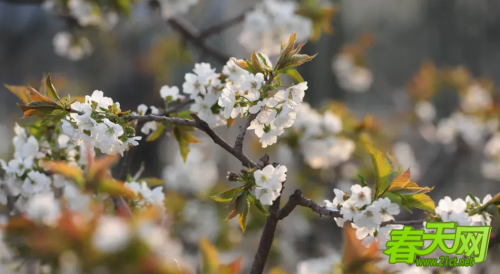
(267, 238)
(238, 144)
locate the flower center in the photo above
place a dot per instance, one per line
(369, 214)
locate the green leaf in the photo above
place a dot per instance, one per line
(422, 201)
(38, 108)
(294, 74)
(51, 90)
(398, 199)
(257, 204)
(209, 257)
(242, 220)
(124, 6)
(186, 114)
(385, 170)
(255, 63)
(58, 112)
(157, 133)
(227, 195)
(184, 138)
(264, 61)
(362, 180)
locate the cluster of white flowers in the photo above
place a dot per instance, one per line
(70, 46)
(244, 94)
(24, 175)
(472, 129)
(170, 8)
(87, 14)
(204, 87)
(365, 214)
(105, 135)
(457, 211)
(320, 143)
(271, 23)
(113, 234)
(350, 76)
(475, 99)
(145, 196)
(269, 182)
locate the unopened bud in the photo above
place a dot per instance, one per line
(264, 160)
(244, 171)
(231, 176)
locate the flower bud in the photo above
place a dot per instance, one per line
(231, 176)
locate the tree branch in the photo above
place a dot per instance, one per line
(176, 108)
(298, 199)
(267, 238)
(201, 125)
(238, 144)
(189, 32)
(218, 28)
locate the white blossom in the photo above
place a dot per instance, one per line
(150, 126)
(71, 47)
(370, 217)
(170, 92)
(425, 111)
(475, 99)
(387, 208)
(169, 8)
(453, 211)
(340, 198)
(111, 235)
(348, 210)
(43, 208)
(361, 196)
(146, 196)
(271, 23)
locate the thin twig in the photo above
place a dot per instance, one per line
(190, 33)
(74, 110)
(218, 28)
(176, 108)
(201, 125)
